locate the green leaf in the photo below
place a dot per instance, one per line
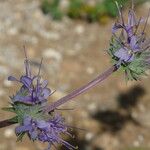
(23, 110)
(10, 109)
(20, 136)
(14, 119)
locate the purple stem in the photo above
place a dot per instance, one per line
(82, 89)
(6, 123)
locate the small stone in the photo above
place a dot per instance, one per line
(9, 132)
(53, 54)
(89, 136)
(90, 70)
(79, 29)
(12, 31)
(7, 83)
(136, 144)
(92, 107)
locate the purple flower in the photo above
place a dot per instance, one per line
(45, 131)
(33, 119)
(33, 91)
(129, 27)
(130, 41)
(126, 52)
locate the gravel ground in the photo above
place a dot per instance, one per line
(115, 115)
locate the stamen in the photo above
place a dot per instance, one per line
(137, 26)
(38, 75)
(25, 52)
(120, 12)
(40, 67)
(27, 65)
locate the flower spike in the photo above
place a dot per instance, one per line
(28, 103)
(134, 51)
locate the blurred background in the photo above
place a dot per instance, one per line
(72, 36)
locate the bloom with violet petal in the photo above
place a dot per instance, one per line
(28, 104)
(130, 47)
(33, 91)
(49, 131)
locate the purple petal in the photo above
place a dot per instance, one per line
(46, 92)
(42, 124)
(123, 54)
(44, 83)
(132, 19)
(24, 99)
(11, 78)
(43, 137)
(129, 31)
(21, 129)
(27, 120)
(33, 134)
(26, 81)
(133, 42)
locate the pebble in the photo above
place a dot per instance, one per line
(92, 107)
(79, 29)
(89, 136)
(9, 132)
(136, 143)
(90, 70)
(7, 83)
(53, 54)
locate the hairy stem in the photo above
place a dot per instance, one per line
(82, 89)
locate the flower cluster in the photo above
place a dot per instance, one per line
(46, 131)
(32, 90)
(29, 103)
(130, 48)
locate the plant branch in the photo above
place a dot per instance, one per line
(82, 89)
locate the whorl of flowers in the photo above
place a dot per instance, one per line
(130, 47)
(28, 104)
